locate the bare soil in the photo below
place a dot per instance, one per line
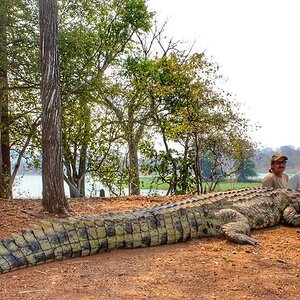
(208, 268)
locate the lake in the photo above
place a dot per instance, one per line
(30, 186)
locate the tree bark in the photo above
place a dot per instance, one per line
(133, 138)
(197, 167)
(134, 178)
(54, 200)
(5, 163)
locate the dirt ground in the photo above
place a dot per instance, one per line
(209, 268)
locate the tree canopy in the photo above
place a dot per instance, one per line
(133, 100)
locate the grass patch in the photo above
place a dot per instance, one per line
(147, 184)
(225, 186)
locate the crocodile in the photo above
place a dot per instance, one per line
(231, 214)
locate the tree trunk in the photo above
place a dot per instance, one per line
(54, 200)
(5, 163)
(20, 155)
(5, 151)
(75, 174)
(197, 168)
(74, 192)
(82, 169)
(133, 138)
(84, 148)
(185, 170)
(134, 178)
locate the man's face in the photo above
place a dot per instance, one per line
(278, 166)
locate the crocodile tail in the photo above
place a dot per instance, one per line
(66, 238)
(50, 241)
(24, 249)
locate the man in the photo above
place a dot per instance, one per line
(276, 178)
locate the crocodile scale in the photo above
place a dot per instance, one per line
(231, 214)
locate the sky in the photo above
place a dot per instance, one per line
(256, 43)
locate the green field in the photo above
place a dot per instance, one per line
(225, 186)
(146, 183)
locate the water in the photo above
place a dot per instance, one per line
(262, 175)
(30, 186)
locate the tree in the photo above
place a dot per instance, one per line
(132, 101)
(200, 120)
(247, 170)
(106, 105)
(54, 200)
(19, 85)
(5, 166)
(93, 37)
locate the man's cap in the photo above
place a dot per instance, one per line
(278, 156)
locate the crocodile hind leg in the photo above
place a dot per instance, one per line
(291, 216)
(235, 227)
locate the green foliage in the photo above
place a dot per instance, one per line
(118, 99)
(246, 171)
(152, 183)
(93, 37)
(23, 72)
(190, 111)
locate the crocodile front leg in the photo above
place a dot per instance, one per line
(236, 227)
(291, 216)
